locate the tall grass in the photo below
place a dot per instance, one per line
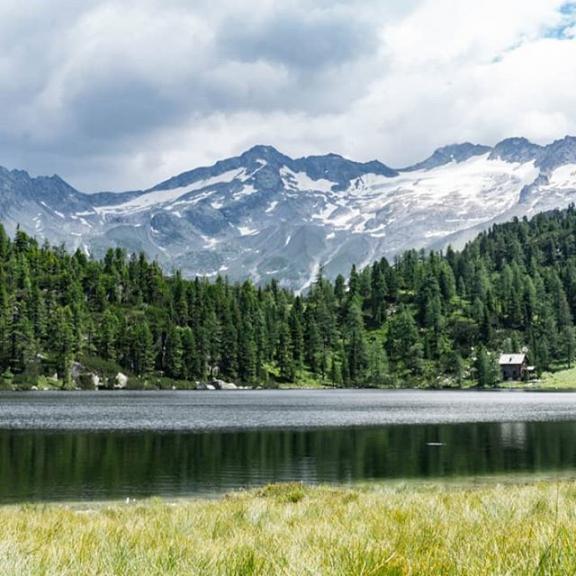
(294, 530)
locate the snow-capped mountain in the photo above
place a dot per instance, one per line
(265, 215)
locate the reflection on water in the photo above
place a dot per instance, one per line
(514, 434)
(48, 465)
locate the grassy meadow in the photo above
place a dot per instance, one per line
(295, 530)
(560, 380)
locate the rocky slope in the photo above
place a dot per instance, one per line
(265, 215)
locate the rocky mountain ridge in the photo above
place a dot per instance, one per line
(265, 215)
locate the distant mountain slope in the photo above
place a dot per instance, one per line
(265, 215)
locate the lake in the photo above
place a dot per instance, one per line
(110, 445)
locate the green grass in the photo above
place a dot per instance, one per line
(294, 530)
(563, 379)
(558, 379)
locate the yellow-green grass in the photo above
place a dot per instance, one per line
(294, 530)
(562, 379)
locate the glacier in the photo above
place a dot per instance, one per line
(264, 215)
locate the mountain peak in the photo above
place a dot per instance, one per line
(265, 215)
(14, 172)
(570, 140)
(263, 152)
(339, 169)
(516, 149)
(451, 153)
(559, 153)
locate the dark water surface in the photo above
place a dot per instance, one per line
(77, 446)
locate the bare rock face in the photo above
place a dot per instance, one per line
(267, 216)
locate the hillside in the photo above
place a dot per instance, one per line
(263, 215)
(426, 319)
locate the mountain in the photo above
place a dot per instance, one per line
(265, 215)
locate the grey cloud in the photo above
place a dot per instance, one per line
(122, 108)
(82, 90)
(302, 41)
(121, 94)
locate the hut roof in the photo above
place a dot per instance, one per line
(512, 359)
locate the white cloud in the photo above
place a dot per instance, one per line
(121, 95)
(451, 32)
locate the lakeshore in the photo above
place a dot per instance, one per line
(292, 529)
(69, 446)
(561, 378)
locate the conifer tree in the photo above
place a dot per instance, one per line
(64, 344)
(486, 371)
(284, 355)
(173, 354)
(356, 346)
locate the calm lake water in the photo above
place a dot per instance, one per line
(80, 446)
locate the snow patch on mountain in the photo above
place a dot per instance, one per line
(157, 198)
(563, 178)
(247, 231)
(265, 215)
(298, 181)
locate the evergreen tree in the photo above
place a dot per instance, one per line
(486, 370)
(64, 344)
(402, 336)
(247, 356)
(284, 355)
(568, 344)
(356, 347)
(173, 354)
(514, 285)
(143, 349)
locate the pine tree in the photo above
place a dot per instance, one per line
(356, 346)
(297, 334)
(284, 356)
(378, 295)
(402, 336)
(143, 349)
(312, 341)
(173, 354)
(22, 341)
(353, 282)
(191, 366)
(568, 344)
(247, 356)
(486, 371)
(378, 371)
(64, 344)
(339, 288)
(514, 285)
(107, 339)
(336, 373)
(230, 341)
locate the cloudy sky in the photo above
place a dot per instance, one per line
(120, 95)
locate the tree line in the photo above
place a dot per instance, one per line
(426, 318)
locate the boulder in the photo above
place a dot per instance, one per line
(204, 386)
(222, 385)
(120, 381)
